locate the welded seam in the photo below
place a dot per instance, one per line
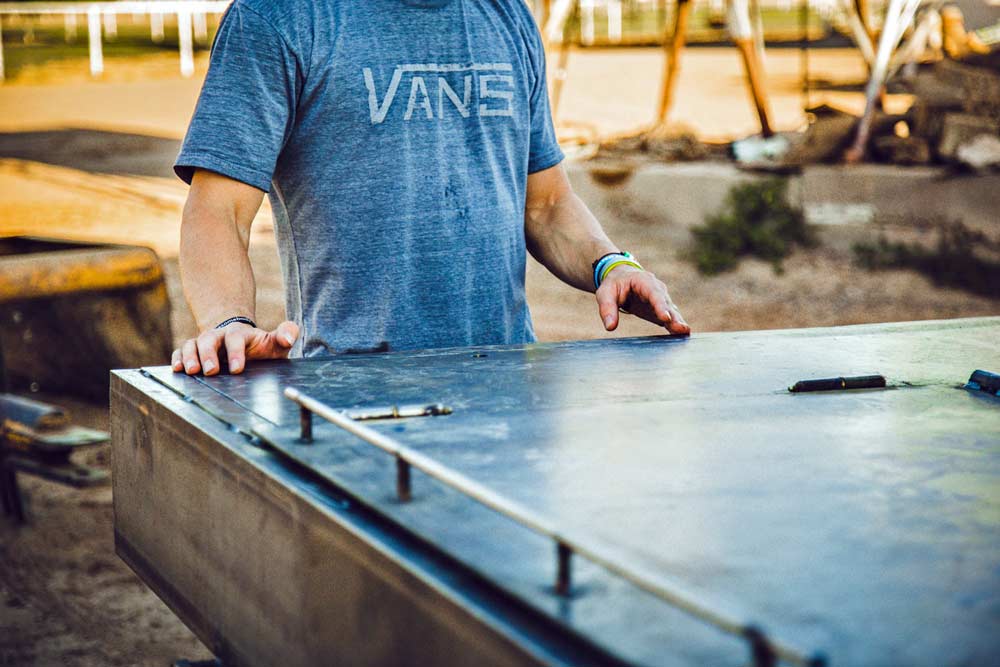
(248, 435)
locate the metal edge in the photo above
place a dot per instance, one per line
(508, 618)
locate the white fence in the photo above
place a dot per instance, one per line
(102, 20)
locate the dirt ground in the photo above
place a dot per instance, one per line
(92, 161)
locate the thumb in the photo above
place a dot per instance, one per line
(607, 303)
(286, 334)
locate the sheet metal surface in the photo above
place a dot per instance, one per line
(864, 525)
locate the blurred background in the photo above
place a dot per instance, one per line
(779, 163)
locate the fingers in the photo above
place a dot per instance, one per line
(201, 355)
(677, 325)
(272, 344)
(189, 357)
(208, 351)
(236, 344)
(647, 297)
(607, 304)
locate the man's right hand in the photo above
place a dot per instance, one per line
(241, 343)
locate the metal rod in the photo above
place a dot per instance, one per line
(305, 424)
(403, 487)
(655, 584)
(564, 568)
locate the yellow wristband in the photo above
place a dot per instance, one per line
(626, 262)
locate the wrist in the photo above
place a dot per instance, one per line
(613, 261)
(622, 268)
(236, 319)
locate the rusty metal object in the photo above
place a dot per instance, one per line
(70, 312)
(38, 439)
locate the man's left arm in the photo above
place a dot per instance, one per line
(566, 238)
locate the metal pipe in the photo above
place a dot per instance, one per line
(601, 555)
(564, 569)
(305, 425)
(404, 488)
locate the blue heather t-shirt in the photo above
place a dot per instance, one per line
(395, 138)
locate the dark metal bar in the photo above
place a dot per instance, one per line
(760, 649)
(403, 488)
(839, 384)
(305, 424)
(653, 583)
(564, 568)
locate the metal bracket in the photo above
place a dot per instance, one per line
(376, 414)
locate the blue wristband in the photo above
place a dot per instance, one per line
(601, 265)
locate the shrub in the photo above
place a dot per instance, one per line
(758, 221)
(962, 258)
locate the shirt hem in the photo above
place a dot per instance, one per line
(546, 161)
(187, 163)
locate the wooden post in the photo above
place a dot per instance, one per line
(156, 28)
(615, 32)
(69, 27)
(184, 42)
(804, 52)
(673, 45)
(756, 84)
(2, 73)
(587, 29)
(562, 65)
(741, 30)
(111, 26)
(94, 38)
(200, 27)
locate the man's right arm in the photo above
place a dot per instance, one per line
(218, 279)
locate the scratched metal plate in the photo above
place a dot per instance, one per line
(863, 525)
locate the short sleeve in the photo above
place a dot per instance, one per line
(544, 151)
(246, 109)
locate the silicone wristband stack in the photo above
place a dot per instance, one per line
(233, 320)
(604, 265)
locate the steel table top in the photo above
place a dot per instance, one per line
(859, 525)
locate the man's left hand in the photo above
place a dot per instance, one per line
(639, 293)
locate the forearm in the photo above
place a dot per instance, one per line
(566, 238)
(215, 266)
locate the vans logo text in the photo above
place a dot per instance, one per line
(451, 86)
